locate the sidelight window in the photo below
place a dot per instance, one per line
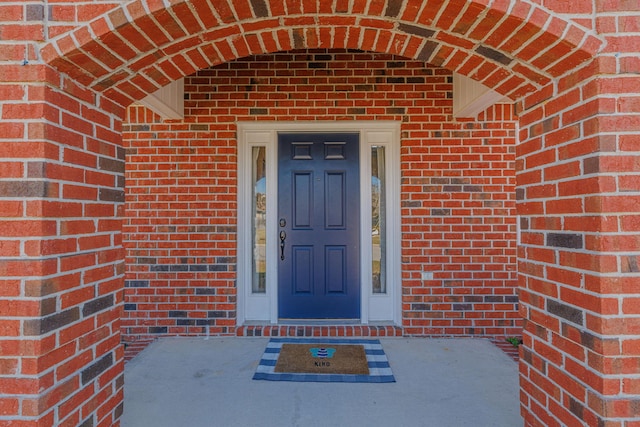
(259, 219)
(378, 221)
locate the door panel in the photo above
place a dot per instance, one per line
(303, 270)
(335, 272)
(319, 209)
(302, 197)
(334, 200)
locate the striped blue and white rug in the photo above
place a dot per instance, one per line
(379, 369)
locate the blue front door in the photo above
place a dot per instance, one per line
(318, 226)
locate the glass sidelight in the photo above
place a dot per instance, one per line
(259, 220)
(378, 220)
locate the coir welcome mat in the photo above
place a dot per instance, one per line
(324, 360)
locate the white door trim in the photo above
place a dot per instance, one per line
(264, 307)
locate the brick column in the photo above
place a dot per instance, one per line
(579, 193)
(616, 354)
(61, 259)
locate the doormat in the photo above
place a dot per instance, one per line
(324, 360)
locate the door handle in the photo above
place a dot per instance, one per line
(283, 236)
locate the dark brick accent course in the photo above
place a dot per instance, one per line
(206, 291)
(111, 165)
(35, 12)
(24, 189)
(418, 31)
(97, 368)
(393, 8)
(591, 165)
(111, 195)
(136, 284)
(298, 38)
(576, 407)
(216, 314)
(561, 240)
(493, 54)
(48, 306)
(119, 411)
(567, 312)
(395, 110)
(630, 264)
(138, 128)
(222, 266)
(36, 170)
(260, 9)
(440, 212)
(427, 51)
(50, 323)
(205, 322)
(97, 305)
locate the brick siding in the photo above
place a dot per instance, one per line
(68, 71)
(458, 191)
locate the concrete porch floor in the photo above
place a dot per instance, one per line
(200, 382)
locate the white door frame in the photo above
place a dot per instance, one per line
(263, 307)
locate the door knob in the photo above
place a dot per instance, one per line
(283, 236)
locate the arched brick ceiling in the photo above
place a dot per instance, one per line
(512, 47)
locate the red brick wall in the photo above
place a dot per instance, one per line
(579, 197)
(62, 269)
(581, 341)
(458, 194)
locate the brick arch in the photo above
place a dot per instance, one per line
(135, 49)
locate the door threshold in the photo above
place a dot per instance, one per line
(316, 322)
(335, 328)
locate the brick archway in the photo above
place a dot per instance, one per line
(578, 128)
(515, 48)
